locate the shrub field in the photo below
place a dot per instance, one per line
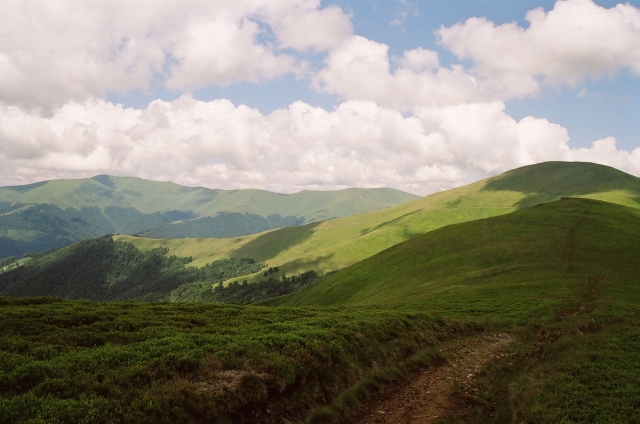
(89, 362)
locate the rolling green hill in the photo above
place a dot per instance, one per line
(563, 276)
(52, 214)
(512, 264)
(560, 278)
(101, 269)
(332, 245)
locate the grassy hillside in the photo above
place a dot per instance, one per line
(104, 269)
(89, 362)
(536, 255)
(51, 214)
(563, 277)
(335, 244)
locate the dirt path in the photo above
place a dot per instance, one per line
(428, 396)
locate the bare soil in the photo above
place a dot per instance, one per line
(433, 393)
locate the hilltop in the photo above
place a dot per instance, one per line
(51, 214)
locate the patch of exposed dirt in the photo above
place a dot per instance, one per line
(430, 395)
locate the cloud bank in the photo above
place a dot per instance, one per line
(217, 144)
(406, 122)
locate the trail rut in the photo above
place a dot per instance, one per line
(428, 396)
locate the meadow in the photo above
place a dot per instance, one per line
(562, 276)
(89, 362)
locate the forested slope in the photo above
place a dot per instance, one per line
(101, 269)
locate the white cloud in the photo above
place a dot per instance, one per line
(55, 51)
(361, 69)
(309, 27)
(419, 60)
(562, 46)
(219, 145)
(223, 53)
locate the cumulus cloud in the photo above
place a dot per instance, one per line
(361, 69)
(309, 27)
(54, 51)
(235, 58)
(575, 39)
(220, 145)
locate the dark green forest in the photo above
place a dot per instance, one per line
(104, 269)
(243, 293)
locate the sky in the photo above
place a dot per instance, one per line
(290, 95)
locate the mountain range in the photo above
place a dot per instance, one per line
(323, 246)
(51, 214)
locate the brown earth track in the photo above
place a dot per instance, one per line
(429, 395)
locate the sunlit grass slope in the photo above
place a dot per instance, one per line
(335, 244)
(513, 265)
(203, 251)
(562, 278)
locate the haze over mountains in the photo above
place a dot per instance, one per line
(50, 214)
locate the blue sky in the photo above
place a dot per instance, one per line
(337, 93)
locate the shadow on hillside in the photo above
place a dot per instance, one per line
(307, 264)
(382, 224)
(272, 243)
(552, 180)
(26, 188)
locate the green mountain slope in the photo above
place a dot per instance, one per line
(515, 263)
(335, 244)
(563, 278)
(51, 214)
(560, 279)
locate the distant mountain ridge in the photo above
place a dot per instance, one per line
(56, 213)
